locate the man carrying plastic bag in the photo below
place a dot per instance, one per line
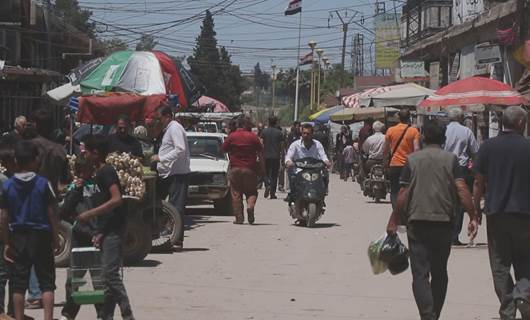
(431, 188)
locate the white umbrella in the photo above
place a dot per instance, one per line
(408, 94)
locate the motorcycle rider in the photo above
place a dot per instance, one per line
(306, 147)
(372, 150)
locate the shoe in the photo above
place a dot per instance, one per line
(33, 304)
(457, 243)
(250, 213)
(266, 193)
(273, 196)
(281, 189)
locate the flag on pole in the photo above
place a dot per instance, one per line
(294, 7)
(307, 59)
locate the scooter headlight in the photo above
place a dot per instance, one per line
(315, 176)
(306, 176)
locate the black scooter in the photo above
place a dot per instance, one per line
(310, 190)
(376, 185)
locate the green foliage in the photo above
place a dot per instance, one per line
(213, 67)
(75, 16)
(147, 43)
(113, 45)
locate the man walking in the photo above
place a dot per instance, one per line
(273, 143)
(173, 164)
(502, 172)
(400, 141)
(460, 141)
(244, 148)
(431, 188)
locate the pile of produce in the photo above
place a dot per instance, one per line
(2, 169)
(130, 172)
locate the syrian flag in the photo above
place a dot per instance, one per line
(295, 6)
(307, 59)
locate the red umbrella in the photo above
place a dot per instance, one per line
(474, 91)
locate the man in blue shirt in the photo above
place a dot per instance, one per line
(502, 172)
(460, 141)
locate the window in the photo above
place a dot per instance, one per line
(205, 147)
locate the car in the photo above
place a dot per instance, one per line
(208, 179)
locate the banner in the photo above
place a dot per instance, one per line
(386, 40)
(412, 69)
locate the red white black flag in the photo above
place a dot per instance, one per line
(295, 6)
(307, 59)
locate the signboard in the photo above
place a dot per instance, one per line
(412, 69)
(488, 53)
(464, 10)
(386, 40)
(455, 67)
(434, 72)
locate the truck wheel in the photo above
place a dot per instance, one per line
(62, 258)
(137, 242)
(224, 206)
(168, 227)
(311, 214)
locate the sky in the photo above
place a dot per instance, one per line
(252, 30)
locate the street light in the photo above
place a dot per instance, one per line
(312, 44)
(320, 53)
(273, 87)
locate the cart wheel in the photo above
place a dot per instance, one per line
(62, 258)
(169, 227)
(137, 242)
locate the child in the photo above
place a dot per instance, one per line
(111, 221)
(29, 229)
(348, 156)
(80, 197)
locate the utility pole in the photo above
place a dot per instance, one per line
(345, 24)
(357, 56)
(273, 87)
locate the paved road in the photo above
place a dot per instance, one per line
(275, 270)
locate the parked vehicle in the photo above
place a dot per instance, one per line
(310, 190)
(208, 180)
(376, 185)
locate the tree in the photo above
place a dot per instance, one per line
(147, 43)
(213, 66)
(73, 15)
(113, 45)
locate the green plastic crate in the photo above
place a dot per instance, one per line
(89, 297)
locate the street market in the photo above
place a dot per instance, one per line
(153, 172)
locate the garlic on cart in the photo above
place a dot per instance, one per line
(130, 173)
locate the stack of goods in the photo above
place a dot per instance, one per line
(130, 172)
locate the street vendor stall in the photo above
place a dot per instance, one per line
(407, 94)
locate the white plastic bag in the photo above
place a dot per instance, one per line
(374, 251)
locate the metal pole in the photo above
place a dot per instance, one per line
(296, 96)
(273, 87)
(318, 92)
(345, 34)
(311, 101)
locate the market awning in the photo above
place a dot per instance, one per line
(408, 94)
(360, 114)
(324, 115)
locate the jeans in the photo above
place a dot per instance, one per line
(394, 173)
(430, 246)
(176, 186)
(459, 221)
(115, 293)
(272, 167)
(34, 292)
(3, 282)
(508, 246)
(281, 176)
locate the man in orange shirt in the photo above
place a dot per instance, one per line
(400, 141)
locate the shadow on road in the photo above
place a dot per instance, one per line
(319, 225)
(147, 263)
(380, 202)
(264, 224)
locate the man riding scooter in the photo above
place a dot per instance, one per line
(372, 151)
(306, 147)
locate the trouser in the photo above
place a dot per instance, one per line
(459, 221)
(281, 176)
(243, 181)
(3, 283)
(347, 170)
(176, 186)
(115, 293)
(508, 246)
(70, 308)
(430, 246)
(272, 167)
(394, 173)
(34, 292)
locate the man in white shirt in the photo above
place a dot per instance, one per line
(306, 147)
(173, 163)
(373, 150)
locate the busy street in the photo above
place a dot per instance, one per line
(276, 270)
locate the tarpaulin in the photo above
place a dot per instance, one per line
(142, 75)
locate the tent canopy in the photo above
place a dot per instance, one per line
(323, 115)
(408, 94)
(361, 114)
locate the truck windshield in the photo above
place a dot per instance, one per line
(205, 147)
